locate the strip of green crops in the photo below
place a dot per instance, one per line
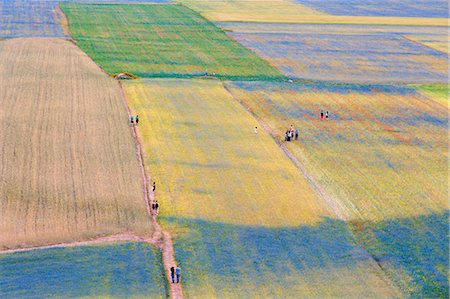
(161, 41)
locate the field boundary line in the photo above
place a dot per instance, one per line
(106, 239)
(336, 206)
(161, 238)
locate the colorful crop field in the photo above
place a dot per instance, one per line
(346, 53)
(437, 42)
(246, 223)
(120, 270)
(68, 160)
(394, 8)
(287, 11)
(383, 154)
(39, 18)
(161, 41)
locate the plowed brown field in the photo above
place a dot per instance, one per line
(68, 168)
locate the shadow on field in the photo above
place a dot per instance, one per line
(412, 251)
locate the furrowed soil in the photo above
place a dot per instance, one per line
(68, 164)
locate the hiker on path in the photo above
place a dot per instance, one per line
(178, 272)
(172, 274)
(326, 115)
(296, 134)
(154, 186)
(131, 120)
(137, 119)
(256, 130)
(156, 207)
(321, 114)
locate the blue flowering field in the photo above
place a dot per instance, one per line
(118, 271)
(394, 8)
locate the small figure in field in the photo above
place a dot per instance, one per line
(289, 135)
(153, 205)
(154, 186)
(131, 120)
(178, 272)
(256, 130)
(326, 115)
(296, 134)
(156, 207)
(172, 274)
(321, 114)
(137, 120)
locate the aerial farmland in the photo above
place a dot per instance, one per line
(224, 149)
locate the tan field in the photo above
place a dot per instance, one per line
(68, 165)
(285, 11)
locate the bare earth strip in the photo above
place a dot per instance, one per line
(126, 237)
(67, 166)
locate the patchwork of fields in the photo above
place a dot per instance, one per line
(40, 18)
(347, 53)
(382, 153)
(161, 41)
(68, 163)
(289, 11)
(356, 208)
(237, 206)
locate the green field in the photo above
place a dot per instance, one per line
(161, 41)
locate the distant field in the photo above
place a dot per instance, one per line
(436, 92)
(286, 11)
(161, 41)
(351, 54)
(113, 271)
(404, 8)
(383, 153)
(245, 222)
(68, 162)
(38, 18)
(250, 11)
(439, 42)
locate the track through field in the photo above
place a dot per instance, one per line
(162, 239)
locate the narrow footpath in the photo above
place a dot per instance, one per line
(162, 239)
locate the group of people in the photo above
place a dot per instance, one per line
(324, 115)
(291, 134)
(133, 119)
(175, 271)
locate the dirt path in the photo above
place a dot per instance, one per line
(114, 238)
(161, 238)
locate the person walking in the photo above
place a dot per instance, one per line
(172, 274)
(256, 130)
(326, 115)
(131, 120)
(178, 272)
(156, 207)
(137, 119)
(154, 186)
(153, 206)
(296, 134)
(321, 114)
